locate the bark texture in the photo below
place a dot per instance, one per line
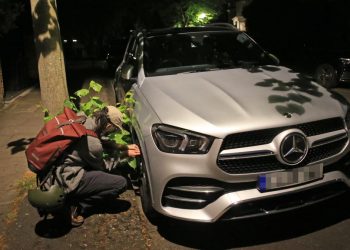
(47, 38)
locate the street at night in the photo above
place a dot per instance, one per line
(194, 124)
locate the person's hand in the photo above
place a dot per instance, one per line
(133, 150)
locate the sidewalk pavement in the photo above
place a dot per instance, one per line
(21, 120)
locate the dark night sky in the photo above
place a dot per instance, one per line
(280, 26)
(276, 24)
(292, 24)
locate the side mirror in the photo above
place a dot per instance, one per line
(126, 72)
(131, 57)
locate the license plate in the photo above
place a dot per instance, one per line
(292, 177)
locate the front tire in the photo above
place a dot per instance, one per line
(145, 194)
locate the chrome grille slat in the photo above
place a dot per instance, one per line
(329, 140)
(197, 189)
(182, 199)
(245, 155)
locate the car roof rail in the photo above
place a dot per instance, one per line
(224, 25)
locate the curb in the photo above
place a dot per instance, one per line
(21, 94)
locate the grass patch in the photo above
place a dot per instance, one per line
(28, 181)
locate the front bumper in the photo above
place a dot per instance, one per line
(194, 188)
(252, 203)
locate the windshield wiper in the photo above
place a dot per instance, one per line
(248, 64)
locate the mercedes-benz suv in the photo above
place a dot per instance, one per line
(225, 132)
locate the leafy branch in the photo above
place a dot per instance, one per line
(94, 104)
(124, 137)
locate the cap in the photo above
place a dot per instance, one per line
(115, 116)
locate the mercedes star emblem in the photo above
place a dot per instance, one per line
(294, 148)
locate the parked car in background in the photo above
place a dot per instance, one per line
(332, 68)
(225, 132)
(328, 67)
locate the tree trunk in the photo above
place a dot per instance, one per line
(47, 38)
(2, 92)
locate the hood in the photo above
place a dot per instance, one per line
(236, 100)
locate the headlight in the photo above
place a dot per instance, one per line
(180, 141)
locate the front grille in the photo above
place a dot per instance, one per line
(270, 163)
(325, 151)
(250, 165)
(265, 136)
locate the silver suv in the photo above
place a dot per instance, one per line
(225, 132)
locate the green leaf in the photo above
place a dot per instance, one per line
(118, 138)
(87, 108)
(82, 92)
(125, 132)
(122, 108)
(70, 104)
(105, 155)
(128, 95)
(48, 118)
(95, 86)
(132, 163)
(126, 120)
(97, 102)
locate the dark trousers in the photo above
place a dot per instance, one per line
(96, 186)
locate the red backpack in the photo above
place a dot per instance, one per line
(52, 140)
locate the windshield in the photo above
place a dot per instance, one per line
(199, 51)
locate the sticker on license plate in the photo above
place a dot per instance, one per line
(292, 177)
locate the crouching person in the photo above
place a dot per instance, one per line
(84, 173)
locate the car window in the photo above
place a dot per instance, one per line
(175, 53)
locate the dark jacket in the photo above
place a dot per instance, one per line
(86, 154)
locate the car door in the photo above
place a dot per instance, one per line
(126, 73)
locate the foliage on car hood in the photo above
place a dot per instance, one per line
(234, 100)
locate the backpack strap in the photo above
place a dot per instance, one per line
(80, 120)
(41, 183)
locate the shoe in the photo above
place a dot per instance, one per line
(77, 219)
